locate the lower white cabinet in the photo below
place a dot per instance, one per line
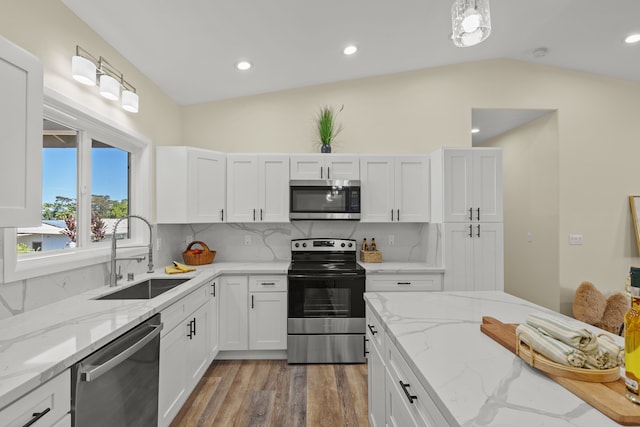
(184, 351)
(404, 282)
(396, 397)
(47, 405)
(253, 312)
(474, 256)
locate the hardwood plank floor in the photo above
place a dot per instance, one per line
(272, 393)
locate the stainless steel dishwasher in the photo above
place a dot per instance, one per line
(117, 385)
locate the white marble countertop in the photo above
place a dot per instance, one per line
(37, 345)
(399, 268)
(473, 379)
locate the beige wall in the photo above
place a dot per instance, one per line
(597, 150)
(49, 30)
(531, 205)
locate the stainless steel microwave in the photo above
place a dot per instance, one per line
(324, 200)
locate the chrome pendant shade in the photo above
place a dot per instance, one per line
(470, 21)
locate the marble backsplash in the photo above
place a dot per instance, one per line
(268, 242)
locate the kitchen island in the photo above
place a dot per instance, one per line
(471, 379)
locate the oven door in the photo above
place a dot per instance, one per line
(320, 304)
(324, 200)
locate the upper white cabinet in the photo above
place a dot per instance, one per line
(21, 143)
(466, 185)
(258, 188)
(395, 188)
(190, 185)
(325, 166)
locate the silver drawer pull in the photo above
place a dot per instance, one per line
(404, 283)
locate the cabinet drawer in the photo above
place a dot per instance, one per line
(267, 283)
(173, 315)
(422, 409)
(402, 282)
(53, 396)
(375, 333)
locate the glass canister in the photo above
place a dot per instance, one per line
(632, 335)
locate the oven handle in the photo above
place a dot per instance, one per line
(324, 275)
(96, 372)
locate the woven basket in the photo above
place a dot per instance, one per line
(371, 256)
(204, 257)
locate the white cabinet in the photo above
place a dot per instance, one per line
(473, 256)
(466, 185)
(253, 312)
(184, 351)
(258, 188)
(404, 282)
(395, 188)
(325, 166)
(375, 371)
(47, 405)
(190, 185)
(21, 143)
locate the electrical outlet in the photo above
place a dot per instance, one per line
(529, 236)
(247, 240)
(158, 244)
(575, 239)
(391, 240)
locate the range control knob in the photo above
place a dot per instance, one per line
(342, 244)
(350, 244)
(297, 245)
(304, 245)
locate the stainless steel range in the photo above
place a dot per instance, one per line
(326, 321)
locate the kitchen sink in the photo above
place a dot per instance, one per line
(148, 289)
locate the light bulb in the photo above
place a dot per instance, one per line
(471, 20)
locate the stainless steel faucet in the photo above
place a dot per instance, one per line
(115, 276)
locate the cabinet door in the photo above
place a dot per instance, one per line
(398, 412)
(242, 196)
(207, 186)
(487, 185)
(21, 143)
(488, 256)
(378, 189)
(310, 166)
(412, 189)
(458, 257)
(214, 308)
(173, 373)
(268, 321)
(457, 185)
(273, 188)
(198, 345)
(340, 166)
(234, 327)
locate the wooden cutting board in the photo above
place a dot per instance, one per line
(609, 398)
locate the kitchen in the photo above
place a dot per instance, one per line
(604, 111)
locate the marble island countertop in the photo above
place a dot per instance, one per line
(400, 268)
(473, 380)
(37, 345)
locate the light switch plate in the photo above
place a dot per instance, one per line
(575, 239)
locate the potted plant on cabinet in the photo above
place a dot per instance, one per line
(327, 127)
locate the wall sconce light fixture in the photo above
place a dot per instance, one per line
(470, 21)
(86, 69)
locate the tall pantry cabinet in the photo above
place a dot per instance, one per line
(466, 189)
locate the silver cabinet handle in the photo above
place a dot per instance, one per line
(98, 371)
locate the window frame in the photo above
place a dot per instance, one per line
(91, 126)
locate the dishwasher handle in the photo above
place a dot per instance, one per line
(97, 371)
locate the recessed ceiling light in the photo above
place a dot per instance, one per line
(633, 38)
(243, 65)
(475, 130)
(350, 50)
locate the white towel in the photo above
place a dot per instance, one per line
(550, 347)
(571, 333)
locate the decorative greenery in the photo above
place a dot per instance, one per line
(327, 128)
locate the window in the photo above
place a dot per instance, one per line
(93, 173)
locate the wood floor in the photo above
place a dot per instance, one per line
(266, 393)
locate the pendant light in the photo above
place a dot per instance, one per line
(470, 21)
(109, 87)
(83, 69)
(130, 101)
